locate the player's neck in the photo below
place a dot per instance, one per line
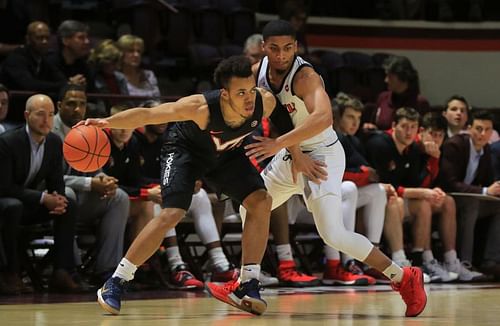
(231, 117)
(276, 76)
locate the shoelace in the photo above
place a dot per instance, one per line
(117, 288)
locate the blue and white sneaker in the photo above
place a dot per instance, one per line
(110, 294)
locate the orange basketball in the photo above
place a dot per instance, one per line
(86, 148)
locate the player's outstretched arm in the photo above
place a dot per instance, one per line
(187, 108)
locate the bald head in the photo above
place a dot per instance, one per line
(36, 25)
(37, 37)
(39, 114)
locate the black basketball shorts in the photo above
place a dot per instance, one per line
(232, 174)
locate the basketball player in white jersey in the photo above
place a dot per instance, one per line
(298, 87)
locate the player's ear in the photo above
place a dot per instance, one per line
(224, 93)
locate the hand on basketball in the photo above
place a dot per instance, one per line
(101, 123)
(264, 147)
(313, 169)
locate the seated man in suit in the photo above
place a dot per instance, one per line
(31, 174)
(466, 167)
(99, 200)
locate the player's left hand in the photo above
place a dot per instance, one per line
(264, 147)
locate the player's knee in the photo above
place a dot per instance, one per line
(169, 217)
(349, 191)
(258, 201)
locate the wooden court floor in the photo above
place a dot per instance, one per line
(447, 305)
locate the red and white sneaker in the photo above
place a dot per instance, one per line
(231, 274)
(182, 279)
(412, 291)
(335, 273)
(289, 276)
(244, 296)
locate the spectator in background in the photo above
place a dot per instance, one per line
(27, 68)
(4, 106)
(466, 167)
(403, 91)
(457, 112)
(124, 165)
(71, 57)
(398, 161)
(140, 82)
(253, 48)
(32, 178)
(103, 61)
(100, 202)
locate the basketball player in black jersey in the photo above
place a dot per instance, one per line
(204, 142)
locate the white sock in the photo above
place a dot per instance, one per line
(284, 252)
(218, 260)
(174, 257)
(427, 256)
(450, 256)
(125, 270)
(394, 273)
(399, 255)
(249, 272)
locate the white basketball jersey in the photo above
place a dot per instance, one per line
(294, 105)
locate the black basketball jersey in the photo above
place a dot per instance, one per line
(218, 137)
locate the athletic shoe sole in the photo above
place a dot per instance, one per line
(106, 306)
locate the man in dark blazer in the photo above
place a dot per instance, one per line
(31, 174)
(466, 167)
(27, 68)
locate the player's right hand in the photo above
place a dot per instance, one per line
(313, 169)
(101, 123)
